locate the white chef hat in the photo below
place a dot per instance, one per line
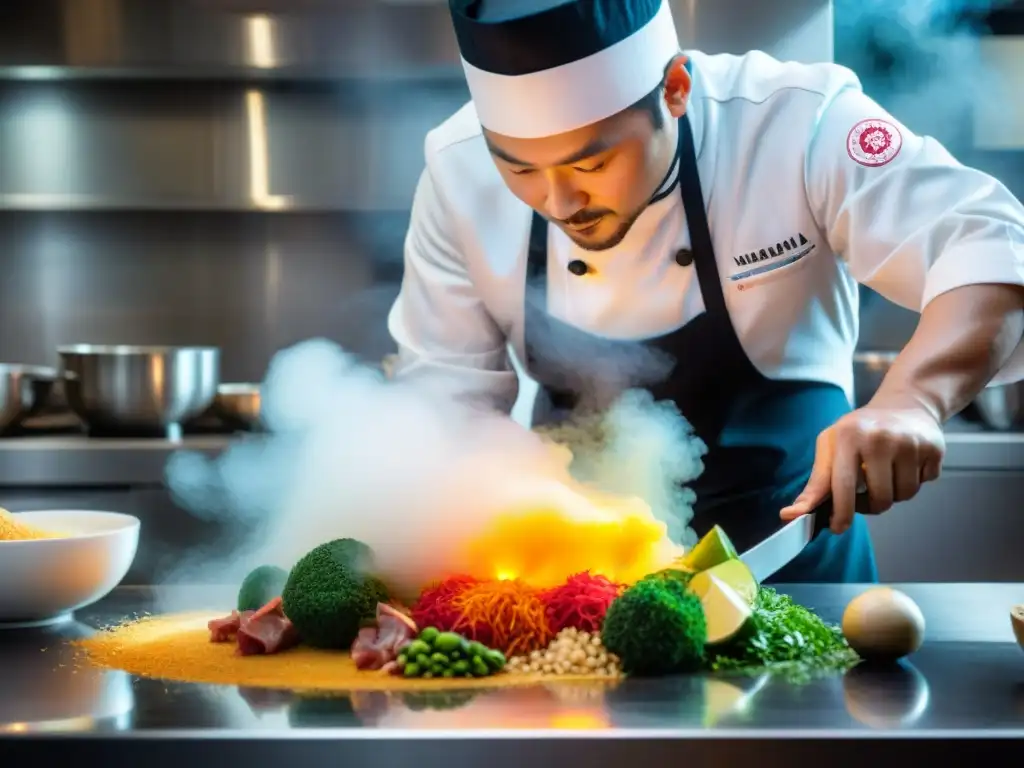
(541, 67)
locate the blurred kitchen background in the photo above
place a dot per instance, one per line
(238, 174)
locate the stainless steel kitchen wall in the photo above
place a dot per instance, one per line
(239, 172)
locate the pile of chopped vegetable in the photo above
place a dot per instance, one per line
(789, 640)
(708, 612)
(447, 654)
(506, 614)
(581, 602)
(513, 616)
(704, 613)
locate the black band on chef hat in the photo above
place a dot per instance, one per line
(542, 67)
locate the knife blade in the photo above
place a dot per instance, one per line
(769, 556)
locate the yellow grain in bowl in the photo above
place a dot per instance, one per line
(11, 529)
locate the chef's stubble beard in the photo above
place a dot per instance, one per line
(616, 237)
(619, 235)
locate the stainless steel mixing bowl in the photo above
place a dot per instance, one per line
(238, 405)
(1001, 407)
(139, 388)
(998, 407)
(24, 391)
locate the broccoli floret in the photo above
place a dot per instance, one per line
(656, 627)
(327, 597)
(261, 586)
(671, 574)
(353, 553)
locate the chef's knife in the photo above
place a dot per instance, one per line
(822, 513)
(773, 553)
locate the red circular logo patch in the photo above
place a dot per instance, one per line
(874, 142)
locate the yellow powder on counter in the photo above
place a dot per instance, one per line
(11, 529)
(177, 647)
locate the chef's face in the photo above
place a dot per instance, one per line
(595, 181)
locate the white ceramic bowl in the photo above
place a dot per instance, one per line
(45, 580)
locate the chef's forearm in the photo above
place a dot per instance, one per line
(964, 338)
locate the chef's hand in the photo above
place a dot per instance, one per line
(892, 448)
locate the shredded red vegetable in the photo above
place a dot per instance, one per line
(581, 602)
(435, 608)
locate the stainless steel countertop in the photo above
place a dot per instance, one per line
(77, 460)
(967, 682)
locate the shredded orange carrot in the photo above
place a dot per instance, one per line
(11, 529)
(512, 612)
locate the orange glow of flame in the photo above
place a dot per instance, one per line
(579, 721)
(563, 529)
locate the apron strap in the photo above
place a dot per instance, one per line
(537, 254)
(697, 222)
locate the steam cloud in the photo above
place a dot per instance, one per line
(396, 464)
(921, 60)
(411, 473)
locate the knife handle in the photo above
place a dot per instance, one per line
(823, 512)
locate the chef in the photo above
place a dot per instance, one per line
(607, 201)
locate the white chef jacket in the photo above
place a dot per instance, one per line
(796, 222)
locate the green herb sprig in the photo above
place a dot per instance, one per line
(789, 641)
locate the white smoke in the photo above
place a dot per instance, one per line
(412, 474)
(922, 61)
(399, 466)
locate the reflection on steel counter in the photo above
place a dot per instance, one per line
(964, 678)
(64, 694)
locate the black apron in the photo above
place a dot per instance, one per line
(760, 433)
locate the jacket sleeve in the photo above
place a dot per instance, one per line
(444, 332)
(914, 223)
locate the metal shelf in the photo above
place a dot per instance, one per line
(282, 206)
(440, 75)
(205, 145)
(252, 39)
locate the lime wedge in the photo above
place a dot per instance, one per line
(715, 548)
(728, 615)
(734, 573)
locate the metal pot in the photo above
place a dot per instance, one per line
(125, 389)
(1001, 407)
(869, 368)
(24, 391)
(238, 405)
